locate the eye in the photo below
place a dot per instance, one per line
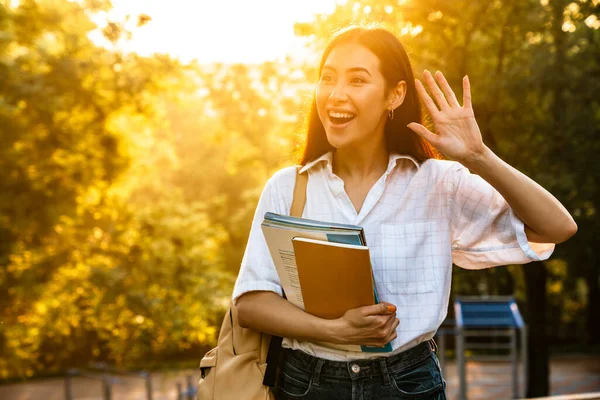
(326, 78)
(357, 79)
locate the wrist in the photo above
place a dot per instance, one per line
(331, 329)
(478, 160)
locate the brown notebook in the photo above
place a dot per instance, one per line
(334, 277)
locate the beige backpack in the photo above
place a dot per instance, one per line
(243, 366)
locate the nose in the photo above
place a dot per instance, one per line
(338, 94)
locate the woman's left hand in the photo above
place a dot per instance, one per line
(457, 133)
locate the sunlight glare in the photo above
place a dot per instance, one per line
(593, 22)
(226, 31)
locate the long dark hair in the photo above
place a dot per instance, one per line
(395, 67)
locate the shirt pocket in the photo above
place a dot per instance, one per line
(409, 260)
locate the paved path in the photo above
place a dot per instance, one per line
(486, 380)
(492, 380)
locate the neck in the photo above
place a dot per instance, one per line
(361, 163)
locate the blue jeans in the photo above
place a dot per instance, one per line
(412, 374)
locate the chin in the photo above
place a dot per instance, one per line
(337, 140)
(343, 144)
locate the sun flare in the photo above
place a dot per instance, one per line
(216, 31)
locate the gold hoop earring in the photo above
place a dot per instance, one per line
(391, 114)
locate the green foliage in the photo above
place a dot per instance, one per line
(87, 273)
(132, 183)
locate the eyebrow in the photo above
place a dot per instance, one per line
(353, 69)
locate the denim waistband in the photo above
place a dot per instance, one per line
(364, 368)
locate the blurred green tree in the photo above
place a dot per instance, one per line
(85, 273)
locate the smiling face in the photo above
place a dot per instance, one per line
(351, 97)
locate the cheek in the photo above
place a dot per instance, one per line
(321, 97)
(372, 104)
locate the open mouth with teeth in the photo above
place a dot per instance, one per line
(338, 118)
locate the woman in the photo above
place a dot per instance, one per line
(371, 163)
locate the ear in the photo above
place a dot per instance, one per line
(397, 95)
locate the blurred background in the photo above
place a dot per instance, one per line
(136, 137)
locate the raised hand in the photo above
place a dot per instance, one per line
(457, 133)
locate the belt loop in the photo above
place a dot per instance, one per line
(317, 372)
(434, 346)
(384, 371)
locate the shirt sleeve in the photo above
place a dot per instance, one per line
(485, 230)
(257, 270)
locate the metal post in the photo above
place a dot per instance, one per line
(190, 388)
(68, 388)
(148, 379)
(524, 359)
(515, 363)
(106, 388)
(461, 364)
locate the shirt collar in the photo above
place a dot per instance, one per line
(328, 159)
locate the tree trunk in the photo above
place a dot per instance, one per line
(593, 299)
(537, 343)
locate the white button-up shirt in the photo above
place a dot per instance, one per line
(418, 220)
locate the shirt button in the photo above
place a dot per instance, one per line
(355, 368)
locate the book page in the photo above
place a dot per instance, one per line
(288, 262)
(281, 248)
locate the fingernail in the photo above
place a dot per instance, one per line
(391, 308)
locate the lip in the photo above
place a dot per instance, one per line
(338, 126)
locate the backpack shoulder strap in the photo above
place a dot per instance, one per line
(274, 353)
(299, 193)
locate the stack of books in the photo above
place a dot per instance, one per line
(324, 268)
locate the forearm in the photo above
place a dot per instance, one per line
(268, 312)
(547, 219)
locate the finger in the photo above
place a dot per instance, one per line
(448, 92)
(392, 324)
(429, 104)
(423, 132)
(393, 334)
(435, 91)
(467, 92)
(389, 325)
(382, 308)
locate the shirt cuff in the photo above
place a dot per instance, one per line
(263, 286)
(533, 251)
